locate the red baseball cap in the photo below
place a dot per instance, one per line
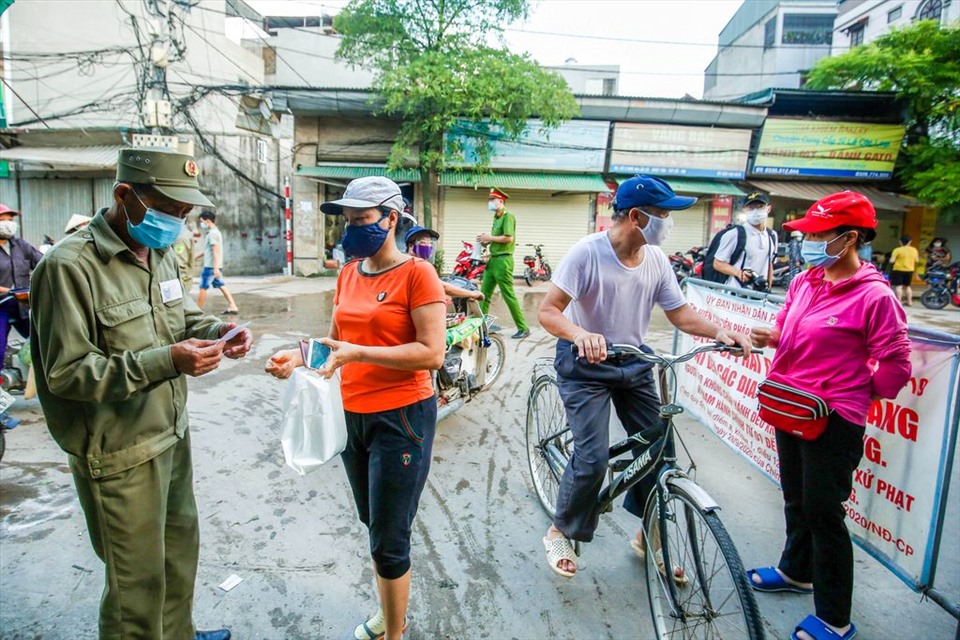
(844, 209)
(5, 209)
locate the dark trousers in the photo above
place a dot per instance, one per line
(387, 459)
(587, 391)
(817, 477)
(10, 315)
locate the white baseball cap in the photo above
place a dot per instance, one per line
(366, 193)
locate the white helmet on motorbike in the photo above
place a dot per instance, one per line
(796, 235)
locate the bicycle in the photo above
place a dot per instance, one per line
(708, 593)
(535, 271)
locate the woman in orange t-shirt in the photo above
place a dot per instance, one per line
(388, 332)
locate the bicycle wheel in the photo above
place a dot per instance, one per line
(529, 276)
(715, 601)
(496, 356)
(547, 434)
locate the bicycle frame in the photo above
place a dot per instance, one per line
(630, 471)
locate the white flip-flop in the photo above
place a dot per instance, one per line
(558, 549)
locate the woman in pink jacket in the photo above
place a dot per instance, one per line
(841, 336)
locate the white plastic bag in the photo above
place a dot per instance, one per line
(314, 428)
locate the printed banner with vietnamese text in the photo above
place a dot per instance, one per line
(894, 509)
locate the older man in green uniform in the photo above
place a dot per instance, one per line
(499, 269)
(113, 335)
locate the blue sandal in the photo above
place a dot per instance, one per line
(771, 580)
(819, 630)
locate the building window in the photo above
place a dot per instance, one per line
(810, 29)
(856, 35)
(609, 86)
(894, 14)
(930, 10)
(770, 33)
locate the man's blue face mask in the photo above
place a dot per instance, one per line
(157, 230)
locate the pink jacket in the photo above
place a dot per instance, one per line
(845, 342)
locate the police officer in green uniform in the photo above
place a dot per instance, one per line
(499, 269)
(113, 336)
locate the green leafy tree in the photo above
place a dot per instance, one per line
(921, 64)
(439, 63)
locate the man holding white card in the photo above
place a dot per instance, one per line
(113, 336)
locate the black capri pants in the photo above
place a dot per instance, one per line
(387, 459)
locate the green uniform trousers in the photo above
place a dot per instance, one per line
(143, 525)
(499, 271)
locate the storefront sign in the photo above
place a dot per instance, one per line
(721, 214)
(827, 149)
(664, 150)
(577, 146)
(894, 508)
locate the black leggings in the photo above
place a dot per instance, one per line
(387, 459)
(817, 477)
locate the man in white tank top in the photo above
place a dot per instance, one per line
(604, 291)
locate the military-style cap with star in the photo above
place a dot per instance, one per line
(170, 173)
(497, 193)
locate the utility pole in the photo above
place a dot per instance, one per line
(156, 110)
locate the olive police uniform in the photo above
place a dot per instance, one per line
(499, 269)
(103, 325)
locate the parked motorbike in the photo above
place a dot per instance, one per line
(685, 267)
(475, 355)
(537, 267)
(467, 264)
(943, 287)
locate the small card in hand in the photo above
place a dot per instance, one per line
(314, 353)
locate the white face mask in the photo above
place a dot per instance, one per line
(492, 205)
(756, 216)
(657, 229)
(8, 229)
(204, 226)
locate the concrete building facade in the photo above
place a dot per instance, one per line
(863, 21)
(769, 43)
(93, 77)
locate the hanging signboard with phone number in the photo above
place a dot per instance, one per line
(828, 149)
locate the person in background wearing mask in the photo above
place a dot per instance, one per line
(18, 258)
(840, 336)
(938, 255)
(388, 333)
(794, 256)
(499, 271)
(420, 243)
(213, 263)
(114, 338)
(904, 260)
(759, 247)
(604, 290)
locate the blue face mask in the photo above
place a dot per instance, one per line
(363, 241)
(157, 230)
(815, 253)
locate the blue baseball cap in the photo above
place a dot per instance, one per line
(408, 238)
(643, 191)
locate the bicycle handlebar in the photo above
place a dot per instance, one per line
(666, 360)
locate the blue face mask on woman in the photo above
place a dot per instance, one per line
(157, 230)
(815, 254)
(363, 241)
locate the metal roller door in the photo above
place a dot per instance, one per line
(556, 222)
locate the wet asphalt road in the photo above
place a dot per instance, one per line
(479, 569)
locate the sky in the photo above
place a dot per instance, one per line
(662, 46)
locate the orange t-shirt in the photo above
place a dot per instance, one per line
(374, 310)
